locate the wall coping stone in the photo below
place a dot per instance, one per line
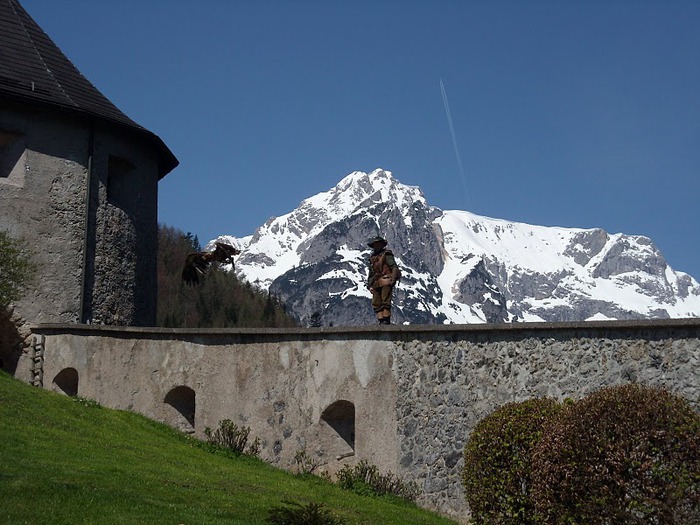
(391, 332)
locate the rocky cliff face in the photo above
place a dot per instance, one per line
(457, 267)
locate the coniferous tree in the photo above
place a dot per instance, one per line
(315, 320)
(219, 301)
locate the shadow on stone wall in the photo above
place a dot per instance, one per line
(13, 340)
(67, 381)
(182, 407)
(337, 435)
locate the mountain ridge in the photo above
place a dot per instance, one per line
(458, 267)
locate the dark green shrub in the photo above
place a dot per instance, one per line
(624, 455)
(297, 514)
(496, 474)
(305, 463)
(230, 437)
(16, 269)
(366, 480)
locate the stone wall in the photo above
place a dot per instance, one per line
(122, 286)
(448, 382)
(44, 161)
(278, 384)
(15, 343)
(42, 203)
(416, 391)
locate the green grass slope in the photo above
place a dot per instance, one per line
(63, 460)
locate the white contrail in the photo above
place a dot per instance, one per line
(454, 138)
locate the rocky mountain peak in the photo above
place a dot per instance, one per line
(458, 267)
(360, 190)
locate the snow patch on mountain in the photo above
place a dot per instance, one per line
(458, 267)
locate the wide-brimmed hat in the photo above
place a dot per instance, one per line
(377, 239)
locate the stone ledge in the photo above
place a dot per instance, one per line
(368, 332)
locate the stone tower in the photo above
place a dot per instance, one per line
(78, 185)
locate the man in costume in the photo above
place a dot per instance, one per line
(383, 275)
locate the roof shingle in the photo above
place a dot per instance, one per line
(34, 69)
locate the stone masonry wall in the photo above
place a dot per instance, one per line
(417, 391)
(44, 160)
(125, 225)
(277, 384)
(447, 383)
(42, 205)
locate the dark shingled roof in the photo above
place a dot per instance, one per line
(33, 69)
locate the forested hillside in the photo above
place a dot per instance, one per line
(219, 301)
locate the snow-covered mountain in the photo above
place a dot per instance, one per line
(457, 267)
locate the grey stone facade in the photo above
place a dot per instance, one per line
(447, 384)
(78, 187)
(43, 202)
(404, 398)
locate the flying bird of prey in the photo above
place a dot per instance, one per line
(197, 263)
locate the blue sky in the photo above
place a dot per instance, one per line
(566, 113)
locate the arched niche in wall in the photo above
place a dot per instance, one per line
(339, 419)
(180, 405)
(67, 381)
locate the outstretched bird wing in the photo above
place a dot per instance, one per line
(197, 264)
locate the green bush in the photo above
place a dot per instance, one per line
(296, 514)
(16, 270)
(230, 437)
(305, 463)
(624, 455)
(496, 474)
(366, 480)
